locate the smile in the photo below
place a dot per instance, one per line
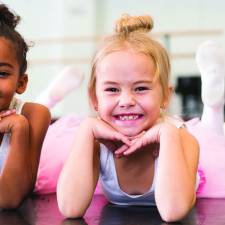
(129, 117)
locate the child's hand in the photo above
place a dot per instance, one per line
(7, 113)
(10, 121)
(149, 137)
(108, 136)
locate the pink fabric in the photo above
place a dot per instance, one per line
(212, 160)
(55, 150)
(201, 182)
(59, 139)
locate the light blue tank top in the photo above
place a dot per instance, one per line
(18, 105)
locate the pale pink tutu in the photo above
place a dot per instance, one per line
(211, 162)
(55, 150)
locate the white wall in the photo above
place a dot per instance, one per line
(49, 19)
(44, 22)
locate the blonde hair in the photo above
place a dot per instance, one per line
(131, 33)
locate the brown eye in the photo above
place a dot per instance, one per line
(3, 74)
(142, 88)
(112, 89)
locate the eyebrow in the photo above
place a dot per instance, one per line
(137, 82)
(144, 81)
(110, 82)
(5, 64)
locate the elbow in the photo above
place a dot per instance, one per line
(10, 203)
(70, 209)
(173, 213)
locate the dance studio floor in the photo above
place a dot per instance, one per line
(43, 210)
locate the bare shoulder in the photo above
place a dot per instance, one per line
(190, 146)
(39, 118)
(188, 137)
(36, 111)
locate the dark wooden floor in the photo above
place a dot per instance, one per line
(43, 210)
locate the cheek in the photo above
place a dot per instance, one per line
(150, 104)
(105, 107)
(7, 89)
(151, 108)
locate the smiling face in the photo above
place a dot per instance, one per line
(128, 97)
(10, 79)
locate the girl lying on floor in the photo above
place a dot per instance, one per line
(141, 156)
(22, 125)
(209, 129)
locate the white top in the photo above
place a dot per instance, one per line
(110, 184)
(18, 105)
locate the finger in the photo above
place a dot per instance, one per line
(121, 137)
(134, 141)
(119, 155)
(135, 147)
(137, 136)
(120, 150)
(7, 112)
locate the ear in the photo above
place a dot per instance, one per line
(94, 103)
(22, 84)
(167, 97)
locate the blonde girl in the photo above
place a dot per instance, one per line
(141, 156)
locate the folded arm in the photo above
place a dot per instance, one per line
(80, 174)
(19, 171)
(176, 173)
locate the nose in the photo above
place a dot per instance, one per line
(127, 99)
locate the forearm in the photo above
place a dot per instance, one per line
(79, 176)
(15, 180)
(27, 131)
(175, 183)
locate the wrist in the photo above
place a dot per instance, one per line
(19, 124)
(87, 127)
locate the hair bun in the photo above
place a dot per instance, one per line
(127, 24)
(8, 17)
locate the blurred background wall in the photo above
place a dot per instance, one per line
(65, 32)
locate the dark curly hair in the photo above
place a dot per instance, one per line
(8, 22)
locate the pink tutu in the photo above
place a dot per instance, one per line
(211, 162)
(55, 150)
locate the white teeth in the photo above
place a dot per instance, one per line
(128, 117)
